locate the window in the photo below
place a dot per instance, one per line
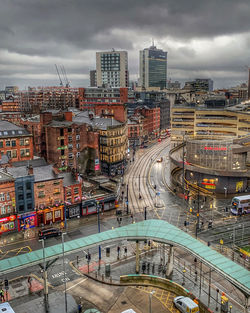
(28, 196)
(8, 209)
(7, 143)
(61, 131)
(41, 194)
(77, 146)
(28, 185)
(29, 206)
(20, 188)
(77, 154)
(3, 210)
(70, 155)
(26, 141)
(69, 130)
(70, 138)
(21, 141)
(1, 144)
(76, 190)
(14, 153)
(22, 153)
(27, 152)
(77, 137)
(56, 191)
(21, 208)
(62, 152)
(20, 197)
(8, 153)
(7, 196)
(68, 192)
(13, 143)
(2, 196)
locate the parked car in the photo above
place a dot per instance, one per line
(186, 305)
(49, 232)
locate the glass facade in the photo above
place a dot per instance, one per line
(215, 154)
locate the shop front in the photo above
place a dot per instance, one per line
(50, 215)
(8, 224)
(26, 221)
(73, 210)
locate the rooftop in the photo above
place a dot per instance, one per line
(8, 129)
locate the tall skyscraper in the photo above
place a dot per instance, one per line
(112, 69)
(153, 68)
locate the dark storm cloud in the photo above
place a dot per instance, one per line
(39, 33)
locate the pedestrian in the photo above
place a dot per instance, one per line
(2, 295)
(125, 251)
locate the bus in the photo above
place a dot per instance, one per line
(240, 205)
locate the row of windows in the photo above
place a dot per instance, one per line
(4, 196)
(41, 193)
(6, 209)
(76, 191)
(13, 143)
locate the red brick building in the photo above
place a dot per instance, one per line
(106, 102)
(48, 195)
(12, 105)
(69, 143)
(151, 122)
(72, 184)
(135, 130)
(16, 142)
(7, 203)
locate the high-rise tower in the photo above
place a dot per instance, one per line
(153, 68)
(112, 69)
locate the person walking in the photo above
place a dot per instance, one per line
(2, 295)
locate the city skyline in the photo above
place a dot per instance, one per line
(201, 40)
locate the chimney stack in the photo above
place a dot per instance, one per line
(30, 170)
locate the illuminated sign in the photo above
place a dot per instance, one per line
(215, 148)
(8, 218)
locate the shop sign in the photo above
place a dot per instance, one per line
(97, 167)
(215, 148)
(8, 218)
(62, 148)
(210, 186)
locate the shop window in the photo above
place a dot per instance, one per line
(2, 196)
(13, 143)
(76, 190)
(20, 197)
(1, 144)
(21, 208)
(7, 143)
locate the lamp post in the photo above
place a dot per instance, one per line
(64, 275)
(99, 230)
(127, 199)
(139, 186)
(150, 301)
(45, 278)
(225, 188)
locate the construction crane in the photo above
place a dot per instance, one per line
(65, 76)
(61, 83)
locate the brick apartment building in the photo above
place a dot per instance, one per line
(68, 143)
(11, 105)
(16, 142)
(106, 102)
(151, 121)
(7, 202)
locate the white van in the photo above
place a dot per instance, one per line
(186, 305)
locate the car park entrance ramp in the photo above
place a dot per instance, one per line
(157, 230)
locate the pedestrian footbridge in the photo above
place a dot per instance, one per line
(157, 230)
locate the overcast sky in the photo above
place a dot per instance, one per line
(203, 38)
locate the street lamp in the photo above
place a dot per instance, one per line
(225, 188)
(99, 230)
(64, 275)
(150, 300)
(45, 279)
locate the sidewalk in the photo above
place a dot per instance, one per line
(23, 286)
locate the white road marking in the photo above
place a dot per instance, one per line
(81, 281)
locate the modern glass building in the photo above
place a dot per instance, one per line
(153, 68)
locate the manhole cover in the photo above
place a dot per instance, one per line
(124, 302)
